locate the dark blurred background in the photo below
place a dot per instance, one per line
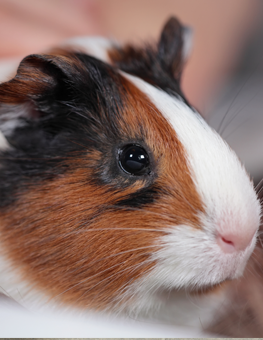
(223, 77)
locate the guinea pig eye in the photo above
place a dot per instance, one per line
(134, 160)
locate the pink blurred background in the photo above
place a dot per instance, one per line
(221, 29)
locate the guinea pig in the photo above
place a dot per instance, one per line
(115, 192)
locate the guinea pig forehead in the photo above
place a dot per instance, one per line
(141, 118)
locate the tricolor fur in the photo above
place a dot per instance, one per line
(76, 227)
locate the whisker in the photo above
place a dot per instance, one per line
(125, 252)
(260, 240)
(75, 111)
(83, 281)
(235, 97)
(165, 216)
(237, 113)
(91, 277)
(258, 186)
(5, 292)
(116, 229)
(259, 192)
(237, 127)
(94, 230)
(120, 253)
(136, 266)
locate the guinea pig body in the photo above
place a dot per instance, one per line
(114, 190)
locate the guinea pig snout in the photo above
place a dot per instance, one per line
(235, 240)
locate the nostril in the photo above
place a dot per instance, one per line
(226, 244)
(232, 241)
(227, 241)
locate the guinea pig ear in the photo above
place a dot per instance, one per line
(40, 81)
(174, 46)
(36, 74)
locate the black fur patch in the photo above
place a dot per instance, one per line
(146, 64)
(139, 199)
(79, 116)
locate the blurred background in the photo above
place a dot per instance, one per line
(223, 77)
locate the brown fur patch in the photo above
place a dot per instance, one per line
(70, 238)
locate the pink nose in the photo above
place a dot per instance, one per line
(230, 242)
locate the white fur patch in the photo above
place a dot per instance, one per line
(97, 47)
(8, 69)
(12, 117)
(188, 42)
(16, 288)
(3, 142)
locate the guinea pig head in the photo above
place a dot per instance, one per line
(112, 186)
